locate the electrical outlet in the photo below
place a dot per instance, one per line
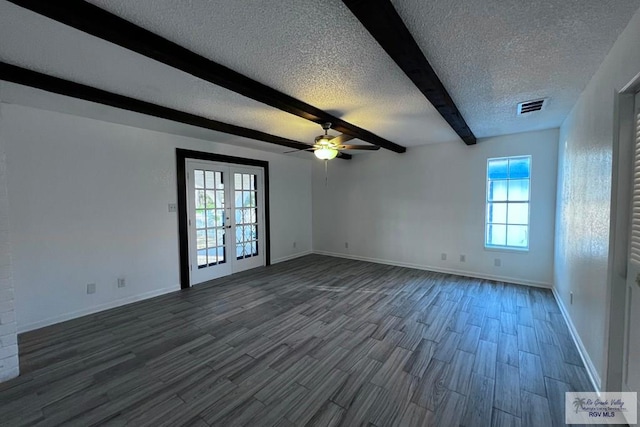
(443, 256)
(346, 245)
(571, 298)
(173, 207)
(463, 258)
(121, 282)
(497, 262)
(294, 244)
(91, 288)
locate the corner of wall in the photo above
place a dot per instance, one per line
(9, 365)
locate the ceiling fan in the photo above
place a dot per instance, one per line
(327, 147)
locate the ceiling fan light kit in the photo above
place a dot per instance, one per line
(327, 147)
(326, 153)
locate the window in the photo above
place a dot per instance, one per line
(508, 190)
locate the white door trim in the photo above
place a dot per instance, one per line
(623, 143)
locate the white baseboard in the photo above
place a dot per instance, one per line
(506, 279)
(290, 257)
(94, 309)
(584, 355)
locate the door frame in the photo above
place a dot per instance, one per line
(621, 189)
(183, 231)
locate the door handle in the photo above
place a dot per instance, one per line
(228, 226)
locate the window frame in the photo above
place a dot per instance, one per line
(487, 223)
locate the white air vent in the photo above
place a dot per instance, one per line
(530, 106)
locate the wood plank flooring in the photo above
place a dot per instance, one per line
(316, 341)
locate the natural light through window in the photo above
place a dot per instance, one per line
(508, 192)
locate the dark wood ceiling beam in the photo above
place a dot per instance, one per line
(380, 18)
(23, 76)
(98, 22)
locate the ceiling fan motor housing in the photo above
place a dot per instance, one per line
(323, 139)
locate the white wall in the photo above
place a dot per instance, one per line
(88, 203)
(584, 200)
(9, 366)
(407, 209)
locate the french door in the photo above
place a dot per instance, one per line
(225, 214)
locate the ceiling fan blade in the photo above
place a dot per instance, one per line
(302, 149)
(359, 147)
(340, 139)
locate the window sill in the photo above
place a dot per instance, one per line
(506, 249)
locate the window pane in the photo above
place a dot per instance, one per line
(245, 182)
(239, 233)
(519, 167)
(254, 248)
(517, 236)
(237, 181)
(247, 216)
(220, 254)
(212, 255)
(497, 191)
(200, 199)
(219, 218)
(497, 212)
(248, 234)
(220, 237)
(220, 199)
(208, 178)
(498, 169)
(219, 184)
(496, 235)
(211, 238)
(200, 219)
(199, 178)
(238, 199)
(201, 239)
(518, 213)
(202, 257)
(211, 199)
(239, 251)
(211, 215)
(519, 190)
(239, 216)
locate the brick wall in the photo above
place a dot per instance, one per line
(9, 367)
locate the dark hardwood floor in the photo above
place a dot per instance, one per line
(315, 341)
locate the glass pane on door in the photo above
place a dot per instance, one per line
(210, 224)
(246, 218)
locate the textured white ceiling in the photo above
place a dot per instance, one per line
(493, 54)
(490, 55)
